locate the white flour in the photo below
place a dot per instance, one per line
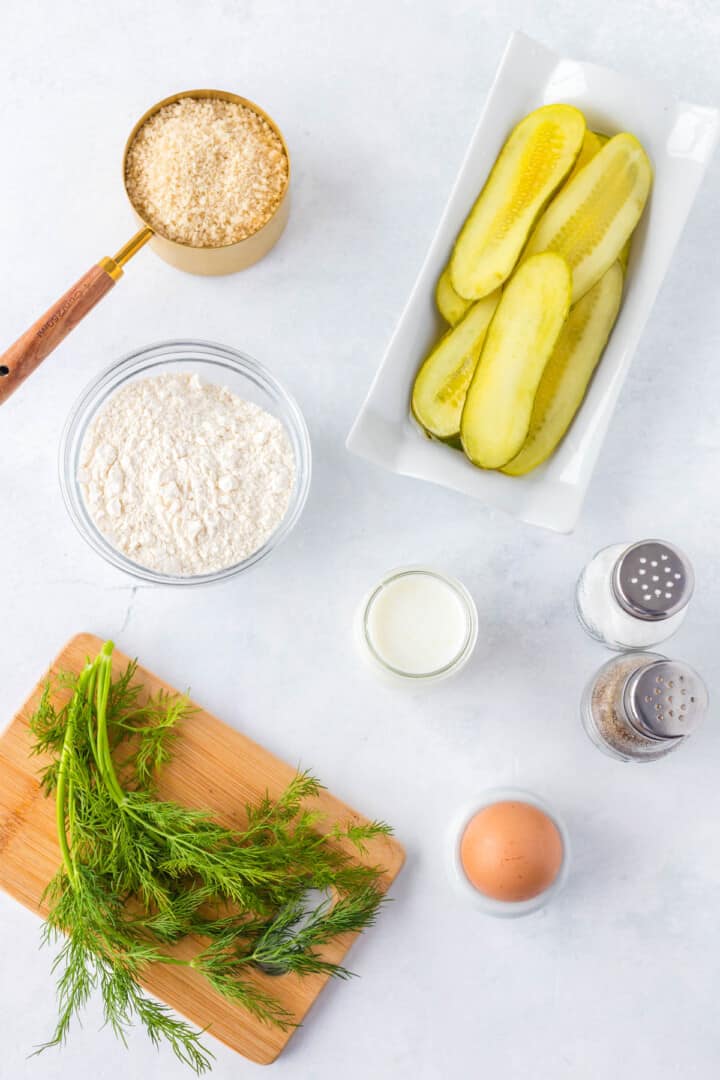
(183, 477)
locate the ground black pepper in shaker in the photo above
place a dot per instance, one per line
(642, 706)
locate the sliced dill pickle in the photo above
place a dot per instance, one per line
(451, 306)
(592, 143)
(576, 355)
(441, 383)
(519, 343)
(593, 217)
(538, 155)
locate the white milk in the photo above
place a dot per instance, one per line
(420, 624)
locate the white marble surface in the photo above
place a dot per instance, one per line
(619, 976)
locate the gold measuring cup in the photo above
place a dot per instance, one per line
(28, 352)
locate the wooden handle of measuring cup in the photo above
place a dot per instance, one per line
(30, 350)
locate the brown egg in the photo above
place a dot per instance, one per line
(511, 851)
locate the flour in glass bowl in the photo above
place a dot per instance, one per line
(185, 477)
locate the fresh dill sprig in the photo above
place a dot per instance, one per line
(289, 942)
(140, 874)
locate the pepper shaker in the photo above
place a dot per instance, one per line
(633, 596)
(642, 706)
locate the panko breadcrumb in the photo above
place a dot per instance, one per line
(206, 172)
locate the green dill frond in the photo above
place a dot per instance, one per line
(289, 942)
(47, 723)
(140, 874)
(123, 695)
(231, 979)
(153, 729)
(358, 835)
(162, 1026)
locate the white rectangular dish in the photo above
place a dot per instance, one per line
(680, 138)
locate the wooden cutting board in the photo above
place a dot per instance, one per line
(213, 767)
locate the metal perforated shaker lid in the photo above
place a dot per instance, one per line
(652, 580)
(665, 699)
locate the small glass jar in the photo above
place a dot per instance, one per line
(633, 596)
(641, 706)
(417, 625)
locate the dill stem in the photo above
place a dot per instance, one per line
(64, 796)
(103, 756)
(101, 747)
(60, 799)
(92, 680)
(176, 960)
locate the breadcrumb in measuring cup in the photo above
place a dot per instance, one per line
(206, 172)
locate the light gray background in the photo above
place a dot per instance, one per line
(377, 101)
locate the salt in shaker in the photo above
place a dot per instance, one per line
(633, 596)
(642, 706)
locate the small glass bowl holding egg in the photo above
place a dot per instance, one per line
(510, 853)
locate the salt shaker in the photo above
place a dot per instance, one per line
(633, 596)
(642, 706)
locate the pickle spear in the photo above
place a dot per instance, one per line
(592, 143)
(519, 343)
(451, 306)
(562, 388)
(537, 157)
(441, 383)
(593, 217)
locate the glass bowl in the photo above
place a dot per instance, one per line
(217, 364)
